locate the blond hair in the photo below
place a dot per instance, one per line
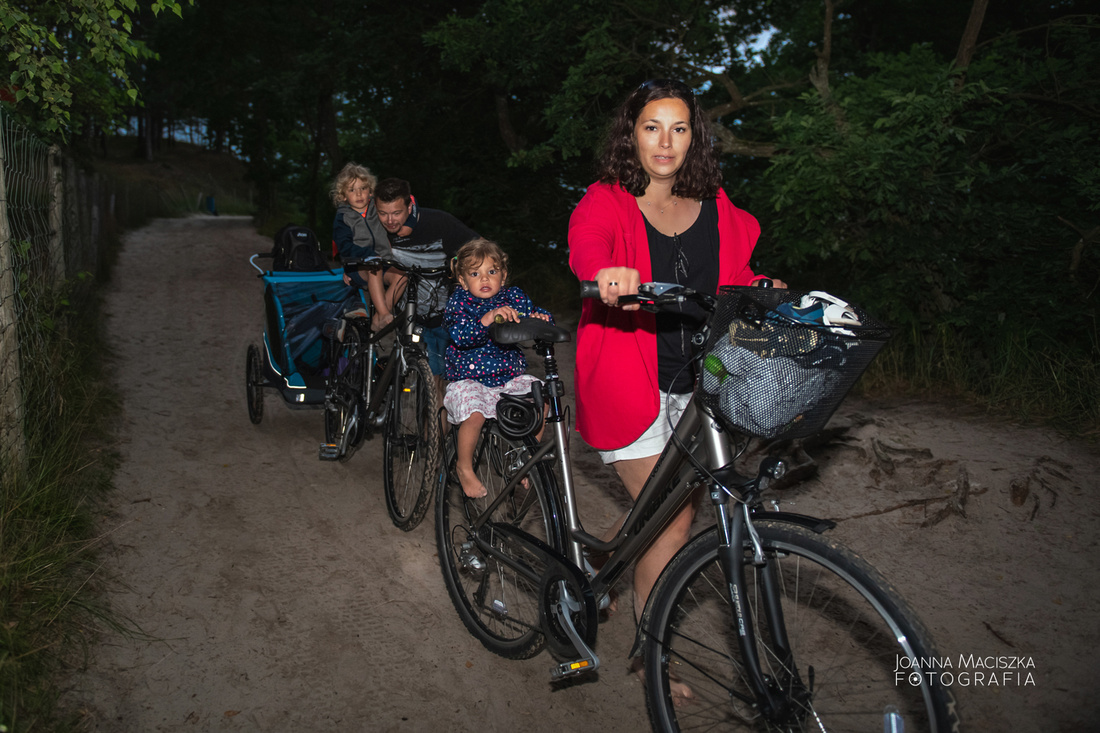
(351, 172)
(477, 251)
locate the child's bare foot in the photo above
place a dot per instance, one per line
(681, 694)
(471, 486)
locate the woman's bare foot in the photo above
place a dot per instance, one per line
(680, 692)
(471, 486)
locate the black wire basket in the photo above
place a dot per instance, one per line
(769, 375)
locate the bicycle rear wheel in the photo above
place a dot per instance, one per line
(344, 395)
(498, 603)
(847, 628)
(411, 442)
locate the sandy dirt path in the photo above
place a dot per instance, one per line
(273, 594)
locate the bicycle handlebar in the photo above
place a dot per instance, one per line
(654, 297)
(590, 289)
(377, 262)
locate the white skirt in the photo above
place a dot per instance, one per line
(468, 396)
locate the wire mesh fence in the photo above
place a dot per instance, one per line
(57, 221)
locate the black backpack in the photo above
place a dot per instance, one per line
(297, 249)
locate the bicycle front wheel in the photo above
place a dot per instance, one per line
(411, 445)
(495, 588)
(849, 633)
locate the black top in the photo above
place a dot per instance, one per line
(436, 237)
(690, 258)
(432, 227)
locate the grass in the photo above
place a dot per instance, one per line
(49, 604)
(1020, 377)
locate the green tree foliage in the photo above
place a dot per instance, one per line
(66, 55)
(944, 201)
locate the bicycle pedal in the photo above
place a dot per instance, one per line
(329, 452)
(572, 669)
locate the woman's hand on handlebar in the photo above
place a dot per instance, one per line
(617, 281)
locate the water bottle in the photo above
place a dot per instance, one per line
(715, 366)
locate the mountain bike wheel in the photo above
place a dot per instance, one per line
(253, 379)
(844, 622)
(498, 604)
(410, 452)
(344, 394)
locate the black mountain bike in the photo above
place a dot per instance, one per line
(371, 389)
(771, 625)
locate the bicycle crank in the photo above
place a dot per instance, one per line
(569, 618)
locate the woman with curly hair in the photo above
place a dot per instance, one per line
(656, 214)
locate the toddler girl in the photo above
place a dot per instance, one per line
(481, 370)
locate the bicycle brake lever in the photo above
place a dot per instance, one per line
(656, 290)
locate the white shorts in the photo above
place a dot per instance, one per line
(653, 440)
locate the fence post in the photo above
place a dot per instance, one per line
(12, 438)
(57, 248)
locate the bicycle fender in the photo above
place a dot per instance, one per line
(814, 524)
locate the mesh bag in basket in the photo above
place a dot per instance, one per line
(772, 376)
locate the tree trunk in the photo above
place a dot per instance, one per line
(315, 167)
(12, 440)
(819, 74)
(514, 142)
(970, 34)
(148, 134)
(330, 139)
(57, 241)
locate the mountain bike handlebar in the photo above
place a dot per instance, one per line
(374, 263)
(654, 296)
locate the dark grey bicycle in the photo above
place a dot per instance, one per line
(391, 392)
(771, 625)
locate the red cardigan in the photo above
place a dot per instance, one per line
(616, 370)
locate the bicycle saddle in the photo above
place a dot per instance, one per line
(528, 329)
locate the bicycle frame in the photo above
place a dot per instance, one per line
(406, 332)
